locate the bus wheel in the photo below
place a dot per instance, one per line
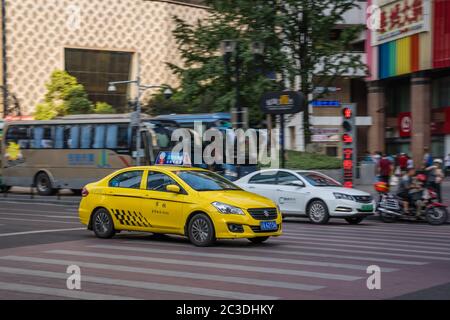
(4, 189)
(44, 184)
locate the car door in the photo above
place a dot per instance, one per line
(291, 193)
(124, 199)
(264, 184)
(162, 208)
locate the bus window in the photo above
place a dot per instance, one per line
(59, 137)
(86, 137)
(99, 138)
(123, 137)
(73, 137)
(43, 137)
(117, 137)
(19, 135)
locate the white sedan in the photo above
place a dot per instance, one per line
(311, 194)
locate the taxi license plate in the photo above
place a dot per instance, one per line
(269, 226)
(367, 207)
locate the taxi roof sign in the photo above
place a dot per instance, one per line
(167, 158)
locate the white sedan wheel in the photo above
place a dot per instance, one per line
(318, 212)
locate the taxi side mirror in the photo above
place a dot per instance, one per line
(173, 188)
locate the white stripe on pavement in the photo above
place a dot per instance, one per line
(340, 235)
(38, 231)
(169, 273)
(40, 220)
(144, 285)
(63, 213)
(292, 253)
(387, 248)
(238, 267)
(37, 215)
(239, 257)
(343, 240)
(25, 288)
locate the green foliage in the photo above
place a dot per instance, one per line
(64, 96)
(160, 105)
(293, 48)
(104, 108)
(311, 161)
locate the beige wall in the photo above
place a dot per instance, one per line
(39, 30)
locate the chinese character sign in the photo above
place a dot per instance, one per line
(349, 143)
(399, 19)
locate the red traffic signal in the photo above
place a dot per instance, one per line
(348, 113)
(348, 139)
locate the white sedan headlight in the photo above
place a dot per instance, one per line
(227, 209)
(343, 196)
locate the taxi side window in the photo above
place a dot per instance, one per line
(157, 181)
(131, 180)
(264, 178)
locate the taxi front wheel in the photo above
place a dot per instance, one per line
(201, 231)
(103, 225)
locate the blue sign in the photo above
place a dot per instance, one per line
(332, 103)
(81, 159)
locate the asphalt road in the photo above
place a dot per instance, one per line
(39, 241)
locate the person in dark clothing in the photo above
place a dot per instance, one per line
(385, 168)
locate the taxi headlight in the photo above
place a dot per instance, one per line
(227, 209)
(343, 196)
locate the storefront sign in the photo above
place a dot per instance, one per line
(401, 18)
(405, 124)
(284, 102)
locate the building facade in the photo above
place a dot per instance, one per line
(409, 87)
(95, 40)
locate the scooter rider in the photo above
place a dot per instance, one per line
(406, 183)
(416, 192)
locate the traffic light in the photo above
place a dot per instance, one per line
(349, 143)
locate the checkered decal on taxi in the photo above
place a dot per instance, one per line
(133, 219)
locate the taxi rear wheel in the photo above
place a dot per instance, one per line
(258, 240)
(201, 231)
(103, 225)
(318, 212)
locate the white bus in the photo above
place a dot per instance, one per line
(70, 152)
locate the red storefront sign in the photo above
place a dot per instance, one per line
(440, 122)
(405, 124)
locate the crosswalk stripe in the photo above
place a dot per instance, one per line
(144, 285)
(37, 215)
(340, 235)
(343, 240)
(169, 273)
(293, 253)
(40, 220)
(366, 252)
(238, 267)
(240, 257)
(387, 248)
(25, 288)
(38, 231)
(380, 230)
(63, 213)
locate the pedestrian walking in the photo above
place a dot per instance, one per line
(447, 165)
(410, 163)
(385, 168)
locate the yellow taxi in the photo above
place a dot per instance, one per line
(195, 203)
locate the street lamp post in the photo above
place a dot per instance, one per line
(228, 48)
(140, 90)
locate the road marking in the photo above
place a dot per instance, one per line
(146, 285)
(17, 201)
(37, 215)
(388, 248)
(386, 254)
(338, 235)
(63, 212)
(171, 273)
(39, 220)
(291, 253)
(39, 231)
(238, 257)
(58, 292)
(342, 240)
(211, 265)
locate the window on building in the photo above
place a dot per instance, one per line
(441, 92)
(95, 68)
(398, 98)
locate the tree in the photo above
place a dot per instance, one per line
(104, 108)
(297, 37)
(64, 96)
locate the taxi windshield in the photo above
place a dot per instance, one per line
(205, 181)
